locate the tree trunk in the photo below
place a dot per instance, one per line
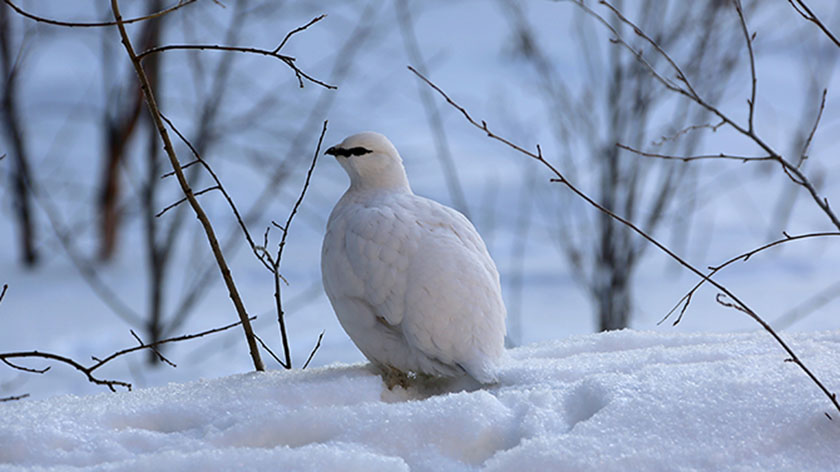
(612, 294)
(21, 174)
(120, 128)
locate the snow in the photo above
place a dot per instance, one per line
(675, 398)
(627, 400)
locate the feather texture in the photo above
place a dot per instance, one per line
(410, 280)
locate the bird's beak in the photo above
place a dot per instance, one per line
(331, 151)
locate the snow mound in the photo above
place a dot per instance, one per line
(608, 402)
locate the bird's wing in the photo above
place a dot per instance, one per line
(453, 307)
(378, 247)
(423, 269)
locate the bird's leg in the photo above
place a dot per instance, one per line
(393, 377)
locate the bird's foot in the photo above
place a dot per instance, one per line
(394, 377)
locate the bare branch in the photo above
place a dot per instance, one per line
(300, 197)
(13, 125)
(219, 186)
(344, 60)
(288, 60)
(298, 30)
(260, 252)
(314, 350)
(688, 91)
(749, 40)
(200, 192)
(99, 24)
(271, 353)
(721, 299)
(89, 370)
(24, 369)
(735, 301)
(184, 337)
(744, 257)
(281, 318)
(806, 147)
(695, 158)
(3, 293)
(184, 166)
(618, 39)
(153, 349)
(803, 10)
(662, 140)
(213, 47)
(14, 398)
(154, 111)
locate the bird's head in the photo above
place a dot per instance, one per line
(371, 161)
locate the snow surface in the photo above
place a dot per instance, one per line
(52, 309)
(620, 401)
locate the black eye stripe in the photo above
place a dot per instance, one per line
(356, 151)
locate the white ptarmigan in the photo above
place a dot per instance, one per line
(410, 280)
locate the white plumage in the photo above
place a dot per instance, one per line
(409, 279)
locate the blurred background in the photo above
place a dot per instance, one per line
(86, 259)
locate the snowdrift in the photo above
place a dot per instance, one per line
(619, 401)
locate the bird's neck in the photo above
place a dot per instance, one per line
(393, 181)
(362, 188)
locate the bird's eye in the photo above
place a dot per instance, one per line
(347, 152)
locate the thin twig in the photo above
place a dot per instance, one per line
(25, 369)
(184, 166)
(803, 156)
(99, 24)
(272, 263)
(688, 91)
(662, 140)
(736, 303)
(681, 76)
(694, 158)
(300, 197)
(744, 257)
(219, 186)
(153, 349)
(314, 350)
(213, 47)
(802, 8)
(184, 337)
(749, 40)
(344, 60)
(281, 316)
(89, 370)
(154, 111)
(270, 352)
(288, 60)
(14, 398)
(200, 192)
(3, 293)
(298, 30)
